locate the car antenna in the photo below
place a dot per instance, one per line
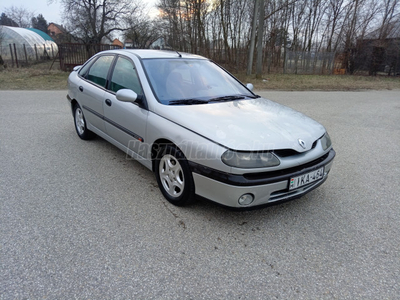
(172, 48)
(180, 55)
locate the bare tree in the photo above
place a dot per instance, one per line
(21, 15)
(186, 24)
(171, 16)
(298, 22)
(367, 16)
(223, 7)
(142, 31)
(224, 30)
(252, 38)
(389, 12)
(334, 16)
(260, 35)
(92, 20)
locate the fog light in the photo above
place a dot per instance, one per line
(246, 199)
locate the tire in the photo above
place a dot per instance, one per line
(173, 176)
(80, 124)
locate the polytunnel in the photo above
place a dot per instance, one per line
(26, 44)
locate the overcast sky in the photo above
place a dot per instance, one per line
(51, 12)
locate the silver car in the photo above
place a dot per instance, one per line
(199, 129)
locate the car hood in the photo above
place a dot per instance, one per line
(247, 125)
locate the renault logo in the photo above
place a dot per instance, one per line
(302, 143)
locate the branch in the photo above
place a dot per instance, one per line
(278, 9)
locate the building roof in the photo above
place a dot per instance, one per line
(117, 42)
(44, 35)
(60, 27)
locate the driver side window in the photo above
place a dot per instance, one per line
(125, 77)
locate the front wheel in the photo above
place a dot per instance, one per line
(80, 124)
(173, 176)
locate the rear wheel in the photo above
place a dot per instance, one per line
(80, 124)
(174, 177)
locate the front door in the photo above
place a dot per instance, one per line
(125, 122)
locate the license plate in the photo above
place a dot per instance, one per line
(305, 179)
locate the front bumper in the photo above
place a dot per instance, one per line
(268, 187)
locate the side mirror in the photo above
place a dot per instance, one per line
(76, 68)
(250, 86)
(126, 95)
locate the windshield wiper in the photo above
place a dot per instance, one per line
(217, 99)
(229, 98)
(187, 101)
(249, 96)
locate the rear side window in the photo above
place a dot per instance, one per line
(125, 77)
(99, 70)
(83, 71)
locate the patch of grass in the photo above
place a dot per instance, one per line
(292, 82)
(40, 77)
(35, 77)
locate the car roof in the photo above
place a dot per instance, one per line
(151, 53)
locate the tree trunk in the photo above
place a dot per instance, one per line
(252, 38)
(260, 41)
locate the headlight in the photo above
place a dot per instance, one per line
(326, 141)
(248, 160)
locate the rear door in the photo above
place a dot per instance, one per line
(92, 90)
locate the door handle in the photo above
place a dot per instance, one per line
(108, 102)
(81, 88)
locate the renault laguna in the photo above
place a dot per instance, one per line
(198, 128)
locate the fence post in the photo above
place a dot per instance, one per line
(36, 53)
(12, 56)
(16, 57)
(26, 55)
(61, 55)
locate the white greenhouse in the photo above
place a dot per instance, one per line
(25, 45)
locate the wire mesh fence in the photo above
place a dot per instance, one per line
(302, 62)
(291, 62)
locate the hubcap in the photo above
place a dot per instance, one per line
(79, 121)
(171, 175)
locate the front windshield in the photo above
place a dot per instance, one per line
(179, 80)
